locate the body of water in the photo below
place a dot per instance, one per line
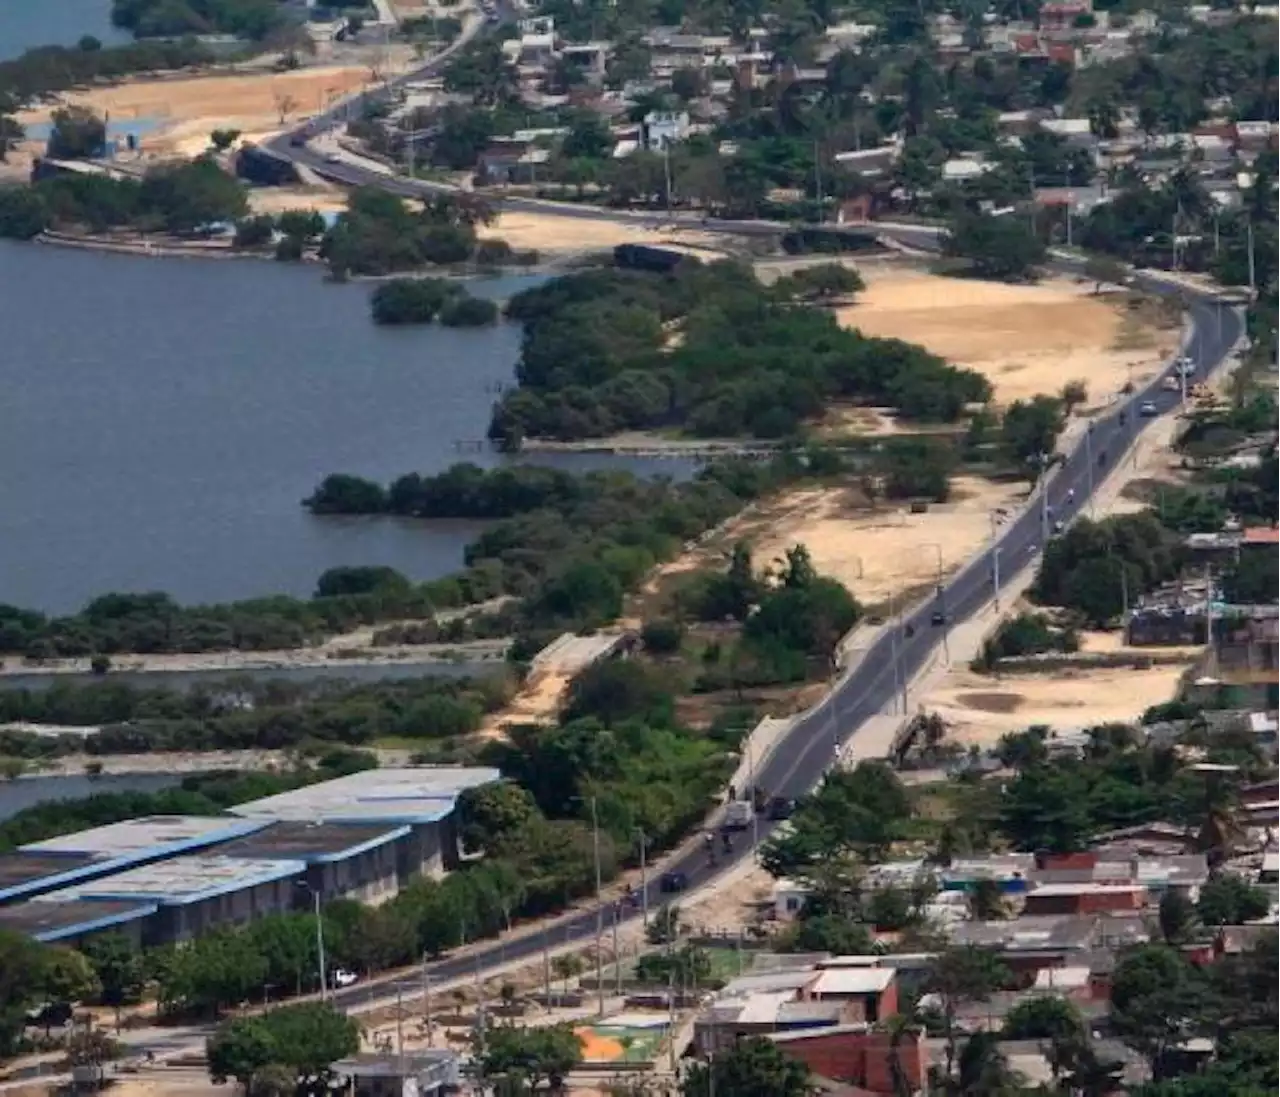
(162, 419)
(25, 24)
(27, 792)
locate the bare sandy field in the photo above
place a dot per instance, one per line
(881, 553)
(184, 110)
(276, 200)
(1026, 339)
(979, 708)
(551, 234)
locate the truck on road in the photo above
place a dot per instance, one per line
(738, 815)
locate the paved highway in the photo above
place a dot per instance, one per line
(797, 763)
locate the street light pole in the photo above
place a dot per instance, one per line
(315, 905)
(946, 644)
(1088, 461)
(644, 879)
(595, 850)
(995, 560)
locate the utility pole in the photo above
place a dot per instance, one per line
(400, 1025)
(644, 879)
(666, 172)
(1031, 198)
(995, 560)
(426, 1000)
(893, 655)
(1088, 460)
(617, 952)
(595, 850)
(946, 644)
(1042, 459)
(1253, 274)
(817, 182)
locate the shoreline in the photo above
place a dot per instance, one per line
(231, 663)
(223, 250)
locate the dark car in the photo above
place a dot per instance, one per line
(672, 882)
(938, 617)
(781, 807)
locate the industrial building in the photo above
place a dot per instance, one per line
(421, 798)
(42, 867)
(170, 878)
(342, 860)
(191, 895)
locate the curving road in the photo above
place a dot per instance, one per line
(798, 761)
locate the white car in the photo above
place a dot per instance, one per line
(343, 978)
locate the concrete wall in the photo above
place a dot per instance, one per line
(182, 922)
(370, 877)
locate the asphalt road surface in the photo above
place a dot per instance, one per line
(798, 762)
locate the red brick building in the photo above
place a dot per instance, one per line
(860, 1057)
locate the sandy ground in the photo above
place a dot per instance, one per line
(1026, 339)
(184, 110)
(539, 702)
(551, 234)
(878, 554)
(980, 708)
(276, 200)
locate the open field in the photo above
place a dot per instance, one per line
(551, 234)
(878, 553)
(175, 115)
(980, 708)
(276, 200)
(1027, 340)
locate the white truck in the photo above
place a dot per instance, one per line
(738, 815)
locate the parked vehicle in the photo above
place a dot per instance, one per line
(344, 978)
(738, 815)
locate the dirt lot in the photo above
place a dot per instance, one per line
(176, 115)
(980, 708)
(275, 200)
(1026, 339)
(551, 234)
(877, 553)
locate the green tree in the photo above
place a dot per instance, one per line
(117, 961)
(1001, 248)
(753, 1067)
(223, 139)
(1229, 900)
(1102, 270)
(306, 1039)
(959, 976)
(22, 963)
(410, 300)
(1031, 428)
(76, 134)
(1177, 917)
(1158, 1001)
(527, 1055)
(491, 814)
(67, 976)
(1044, 1017)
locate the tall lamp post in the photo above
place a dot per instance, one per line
(315, 903)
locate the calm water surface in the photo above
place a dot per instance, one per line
(161, 419)
(28, 23)
(26, 792)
